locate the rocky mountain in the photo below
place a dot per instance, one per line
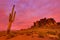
(46, 23)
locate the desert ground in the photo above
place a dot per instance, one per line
(33, 34)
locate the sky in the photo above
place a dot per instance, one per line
(27, 12)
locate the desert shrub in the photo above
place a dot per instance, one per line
(51, 32)
(52, 38)
(59, 36)
(28, 34)
(21, 33)
(11, 35)
(2, 34)
(41, 35)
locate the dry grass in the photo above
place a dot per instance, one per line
(36, 33)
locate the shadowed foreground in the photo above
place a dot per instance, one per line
(36, 34)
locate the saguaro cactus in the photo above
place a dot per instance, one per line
(11, 19)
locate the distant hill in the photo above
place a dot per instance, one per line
(46, 23)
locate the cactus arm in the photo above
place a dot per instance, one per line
(13, 9)
(14, 16)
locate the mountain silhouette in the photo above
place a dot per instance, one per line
(46, 23)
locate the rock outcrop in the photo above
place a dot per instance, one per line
(46, 23)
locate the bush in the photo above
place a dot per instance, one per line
(51, 32)
(28, 34)
(41, 35)
(59, 36)
(11, 35)
(52, 38)
(21, 33)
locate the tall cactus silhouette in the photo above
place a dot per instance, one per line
(11, 19)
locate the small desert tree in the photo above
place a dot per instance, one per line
(11, 19)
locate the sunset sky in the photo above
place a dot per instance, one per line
(27, 12)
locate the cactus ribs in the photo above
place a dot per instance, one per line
(11, 19)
